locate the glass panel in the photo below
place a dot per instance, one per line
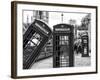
(36, 38)
(35, 41)
(64, 40)
(85, 41)
(85, 50)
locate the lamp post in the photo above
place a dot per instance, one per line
(62, 17)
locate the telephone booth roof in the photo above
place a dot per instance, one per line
(63, 25)
(63, 28)
(85, 35)
(42, 24)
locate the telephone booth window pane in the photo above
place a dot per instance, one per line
(63, 37)
(66, 38)
(30, 44)
(66, 43)
(35, 41)
(85, 41)
(63, 40)
(36, 38)
(62, 43)
(85, 50)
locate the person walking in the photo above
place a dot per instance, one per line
(75, 48)
(79, 49)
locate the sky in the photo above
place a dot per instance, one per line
(56, 18)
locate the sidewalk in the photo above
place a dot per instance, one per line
(80, 61)
(48, 63)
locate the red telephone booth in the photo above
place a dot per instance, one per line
(63, 54)
(85, 46)
(34, 40)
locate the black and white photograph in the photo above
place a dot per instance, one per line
(69, 44)
(54, 39)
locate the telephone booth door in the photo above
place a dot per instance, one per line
(85, 47)
(63, 50)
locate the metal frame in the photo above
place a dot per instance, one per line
(14, 37)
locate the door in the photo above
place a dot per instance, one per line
(64, 50)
